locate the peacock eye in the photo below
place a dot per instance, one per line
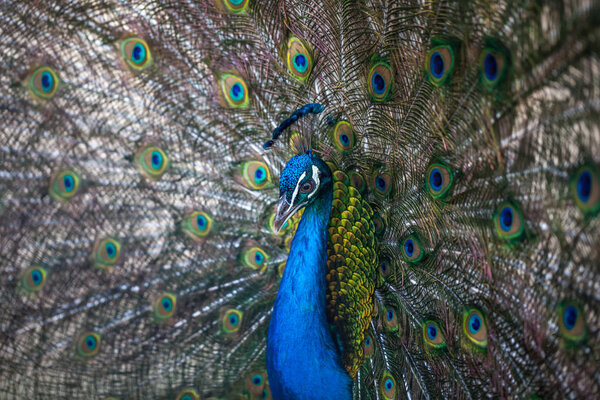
(307, 186)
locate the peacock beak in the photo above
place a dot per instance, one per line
(285, 210)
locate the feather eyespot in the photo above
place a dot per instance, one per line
(433, 335)
(152, 162)
(509, 221)
(438, 180)
(379, 224)
(571, 322)
(388, 386)
(164, 306)
(33, 279)
(255, 258)
(88, 344)
(232, 320)
(368, 346)
(385, 269)
(106, 252)
(255, 383)
(493, 63)
(64, 185)
(299, 59)
(188, 394)
(585, 189)
(391, 319)
(136, 53)
(357, 181)
(197, 225)
(412, 251)
(475, 328)
(343, 136)
(382, 183)
(43, 82)
(236, 6)
(439, 64)
(255, 175)
(234, 91)
(380, 81)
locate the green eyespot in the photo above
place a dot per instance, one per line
(255, 175)
(232, 320)
(136, 53)
(106, 252)
(388, 386)
(164, 306)
(299, 58)
(256, 382)
(475, 328)
(439, 64)
(493, 63)
(64, 185)
(509, 222)
(382, 183)
(585, 189)
(188, 394)
(438, 180)
(411, 248)
(433, 335)
(33, 279)
(255, 258)
(43, 82)
(88, 344)
(234, 91)
(380, 81)
(391, 319)
(571, 322)
(196, 225)
(235, 6)
(343, 136)
(152, 162)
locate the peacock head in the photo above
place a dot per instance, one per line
(301, 182)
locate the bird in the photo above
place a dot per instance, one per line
(282, 199)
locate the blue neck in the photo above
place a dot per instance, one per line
(303, 361)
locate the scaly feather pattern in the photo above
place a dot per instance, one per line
(141, 245)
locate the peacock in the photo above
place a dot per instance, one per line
(298, 200)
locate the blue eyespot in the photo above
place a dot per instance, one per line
(69, 183)
(389, 384)
(432, 332)
(378, 83)
(506, 219)
(345, 139)
(157, 160)
(111, 250)
(380, 182)
(201, 221)
(257, 379)
(90, 341)
(436, 179)
(390, 315)
(584, 186)
(437, 65)
(300, 63)
(570, 317)
(138, 55)
(233, 319)
(409, 247)
(474, 324)
(490, 66)
(258, 257)
(167, 304)
(47, 81)
(237, 92)
(368, 341)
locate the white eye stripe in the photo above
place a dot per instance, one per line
(315, 175)
(297, 189)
